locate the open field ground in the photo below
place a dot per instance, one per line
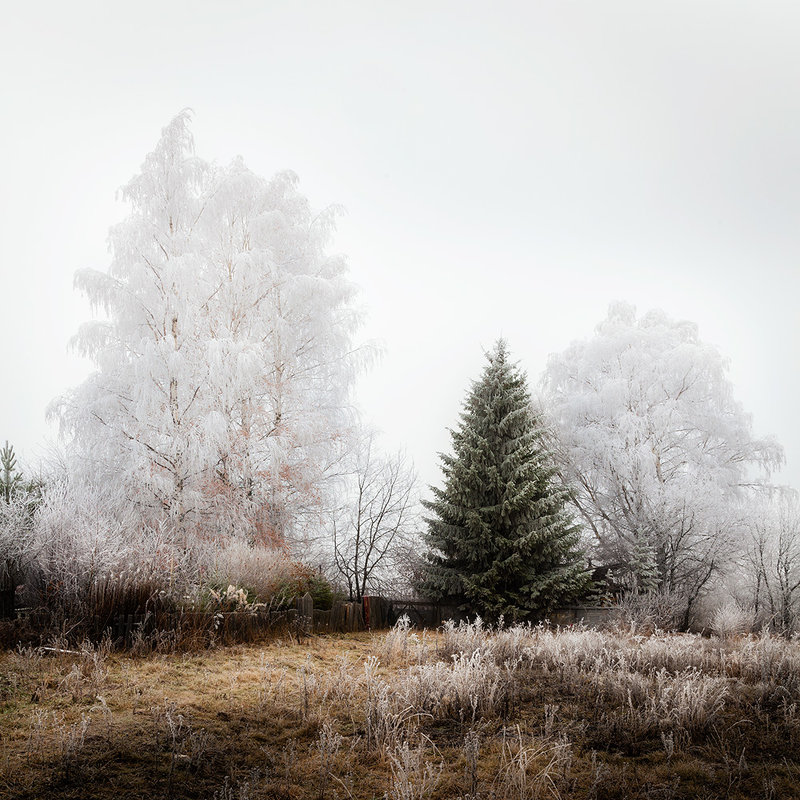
(464, 713)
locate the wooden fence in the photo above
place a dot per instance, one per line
(303, 619)
(372, 613)
(7, 591)
(592, 616)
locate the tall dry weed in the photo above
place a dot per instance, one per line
(416, 771)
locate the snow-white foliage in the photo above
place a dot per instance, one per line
(79, 542)
(655, 448)
(18, 500)
(225, 361)
(730, 619)
(85, 541)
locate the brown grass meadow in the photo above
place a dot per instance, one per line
(465, 712)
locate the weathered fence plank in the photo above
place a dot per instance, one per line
(305, 613)
(7, 592)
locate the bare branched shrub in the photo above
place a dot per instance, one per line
(652, 611)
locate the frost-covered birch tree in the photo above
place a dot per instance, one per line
(656, 448)
(225, 358)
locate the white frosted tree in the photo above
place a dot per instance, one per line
(225, 360)
(656, 448)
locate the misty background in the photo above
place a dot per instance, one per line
(505, 171)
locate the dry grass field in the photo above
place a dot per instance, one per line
(463, 713)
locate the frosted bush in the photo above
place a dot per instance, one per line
(690, 699)
(730, 619)
(511, 644)
(567, 650)
(651, 611)
(78, 538)
(766, 659)
(673, 653)
(257, 568)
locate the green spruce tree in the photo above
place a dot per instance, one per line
(501, 540)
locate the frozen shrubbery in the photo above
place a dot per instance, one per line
(90, 561)
(647, 612)
(261, 571)
(730, 619)
(404, 645)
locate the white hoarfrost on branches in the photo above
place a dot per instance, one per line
(655, 448)
(17, 543)
(224, 366)
(772, 560)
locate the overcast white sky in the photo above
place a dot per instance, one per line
(507, 168)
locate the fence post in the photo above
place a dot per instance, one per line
(7, 592)
(305, 613)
